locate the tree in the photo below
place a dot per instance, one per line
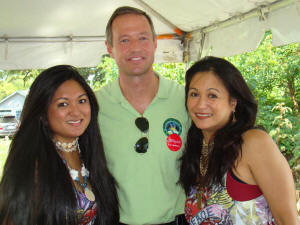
(274, 77)
(13, 80)
(272, 72)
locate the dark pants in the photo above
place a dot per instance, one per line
(179, 220)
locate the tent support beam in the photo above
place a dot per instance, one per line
(200, 36)
(261, 11)
(201, 45)
(158, 15)
(53, 39)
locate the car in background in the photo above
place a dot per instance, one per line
(8, 126)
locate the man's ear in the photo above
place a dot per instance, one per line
(109, 49)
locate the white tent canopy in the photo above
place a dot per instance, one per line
(42, 33)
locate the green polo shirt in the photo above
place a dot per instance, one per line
(147, 182)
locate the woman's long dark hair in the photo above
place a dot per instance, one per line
(227, 140)
(36, 187)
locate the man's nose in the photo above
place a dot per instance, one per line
(134, 44)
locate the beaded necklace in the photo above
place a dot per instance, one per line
(70, 147)
(67, 147)
(204, 160)
(85, 174)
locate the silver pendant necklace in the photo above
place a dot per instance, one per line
(85, 174)
(70, 147)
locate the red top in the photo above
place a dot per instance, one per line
(239, 191)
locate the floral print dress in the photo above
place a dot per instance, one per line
(235, 203)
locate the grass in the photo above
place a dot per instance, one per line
(4, 144)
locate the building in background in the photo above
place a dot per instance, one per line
(12, 105)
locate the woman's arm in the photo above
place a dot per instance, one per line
(271, 172)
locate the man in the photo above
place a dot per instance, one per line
(143, 122)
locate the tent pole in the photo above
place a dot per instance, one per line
(158, 15)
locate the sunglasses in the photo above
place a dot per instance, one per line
(141, 145)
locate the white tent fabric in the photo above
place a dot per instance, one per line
(42, 33)
(246, 35)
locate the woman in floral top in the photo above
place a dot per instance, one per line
(232, 172)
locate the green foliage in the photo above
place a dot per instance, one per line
(4, 145)
(16, 80)
(103, 73)
(172, 71)
(274, 77)
(272, 72)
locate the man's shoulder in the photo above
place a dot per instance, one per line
(169, 81)
(108, 88)
(108, 92)
(171, 84)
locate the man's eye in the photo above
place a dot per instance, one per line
(124, 40)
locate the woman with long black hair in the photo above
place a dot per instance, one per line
(56, 170)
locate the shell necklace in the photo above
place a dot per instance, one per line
(85, 174)
(70, 147)
(67, 147)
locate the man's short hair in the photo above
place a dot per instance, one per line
(123, 11)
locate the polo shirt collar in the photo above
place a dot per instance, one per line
(161, 93)
(116, 91)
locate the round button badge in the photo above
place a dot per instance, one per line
(174, 142)
(172, 126)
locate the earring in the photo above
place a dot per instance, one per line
(233, 117)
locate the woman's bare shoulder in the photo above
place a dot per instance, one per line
(258, 143)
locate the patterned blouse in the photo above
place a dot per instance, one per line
(235, 203)
(87, 210)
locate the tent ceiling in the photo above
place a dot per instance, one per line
(42, 33)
